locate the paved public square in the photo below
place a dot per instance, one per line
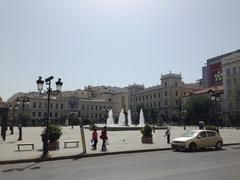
(119, 141)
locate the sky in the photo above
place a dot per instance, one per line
(111, 42)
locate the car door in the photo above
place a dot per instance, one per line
(212, 138)
(202, 139)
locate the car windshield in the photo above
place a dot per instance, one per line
(189, 134)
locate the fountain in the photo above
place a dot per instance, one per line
(110, 122)
(121, 126)
(121, 119)
(129, 118)
(141, 119)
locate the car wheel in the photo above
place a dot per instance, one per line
(218, 145)
(192, 147)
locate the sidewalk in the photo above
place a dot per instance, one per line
(119, 142)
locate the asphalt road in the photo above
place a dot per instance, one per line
(165, 165)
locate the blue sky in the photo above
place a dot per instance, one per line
(111, 42)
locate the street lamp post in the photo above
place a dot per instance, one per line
(40, 83)
(216, 98)
(13, 110)
(21, 102)
(181, 113)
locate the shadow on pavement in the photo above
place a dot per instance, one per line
(199, 150)
(31, 166)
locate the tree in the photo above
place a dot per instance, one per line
(26, 119)
(200, 108)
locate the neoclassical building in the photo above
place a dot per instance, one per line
(92, 104)
(231, 82)
(162, 101)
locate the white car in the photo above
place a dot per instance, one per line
(198, 139)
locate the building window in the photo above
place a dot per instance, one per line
(166, 102)
(155, 104)
(159, 104)
(39, 114)
(45, 105)
(100, 108)
(140, 98)
(154, 95)
(51, 105)
(34, 105)
(61, 106)
(56, 106)
(56, 115)
(146, 97)
(50, 114)
(234, 70)
(45, 114)
(96, 115)
(136, 99)
(165, 93)
(82, 107)
(33, 114)
(176, 93)
(177, 102)
(92, 107)
(234, 80)
(229, 82)
(176, 84)
(131, 99)
(228, 72)
(143, 98)
(165, 84)
(159, 95)
(96, 108)
(87, 107)
(40, 105)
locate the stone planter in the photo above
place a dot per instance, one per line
(53, 145)
(147, 140)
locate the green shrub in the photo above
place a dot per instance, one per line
(211, 127)
(146, 131)
(54, 133)
(92, 126)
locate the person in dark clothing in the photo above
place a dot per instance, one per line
(168, 133)
(94, 139)
(104, 138)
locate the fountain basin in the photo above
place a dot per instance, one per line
(126, 128)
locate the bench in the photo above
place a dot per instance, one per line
(25, 144)
(76, 142)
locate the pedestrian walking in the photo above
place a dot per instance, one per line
(168, 133)
(66, 123)
(104, 138)
(94, 139)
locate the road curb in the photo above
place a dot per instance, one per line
(85, 155)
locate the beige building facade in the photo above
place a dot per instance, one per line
(231, 82)
(88, 104)
(162, 101)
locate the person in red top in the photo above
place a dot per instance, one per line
(94, 139)
(104, 138)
